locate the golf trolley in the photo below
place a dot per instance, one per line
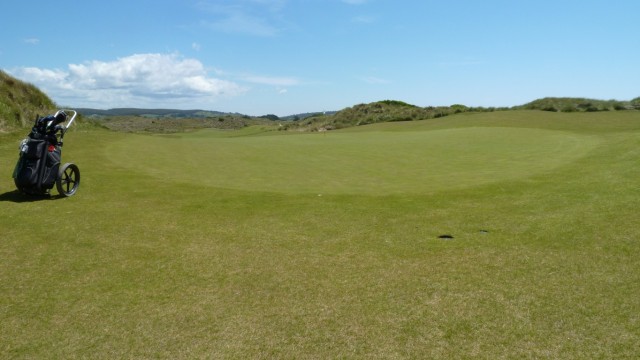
(38, 166)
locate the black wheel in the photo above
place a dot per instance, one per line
(68, 179)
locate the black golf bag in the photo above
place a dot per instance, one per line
(38, 167)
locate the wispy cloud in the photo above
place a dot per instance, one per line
(460, 63)
(279, 84)
(374, 80)
(248, 17)
(271, 80)
(32, 41)
(136, 80)
(242, 24)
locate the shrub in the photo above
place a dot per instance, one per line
(270, 117)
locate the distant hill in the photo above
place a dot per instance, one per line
(152, 113)
(192, 114)
(21, 102)
(380, 111)
(302, 116)
(567, 104)
(393, 110)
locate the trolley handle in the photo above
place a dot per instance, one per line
(69, 122)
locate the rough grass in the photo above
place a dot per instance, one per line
(180, 265)
(20, 103)
(142, 124)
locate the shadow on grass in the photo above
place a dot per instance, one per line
(18, 197)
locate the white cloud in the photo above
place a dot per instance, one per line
(136, 80)
(42, 75)
(195, 46)
(271, 80)
(32, 41)
(243, 24)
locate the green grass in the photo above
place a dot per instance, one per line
(217, 244)
(372, 162)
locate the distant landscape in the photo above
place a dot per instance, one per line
(20, 102)
(361, 114)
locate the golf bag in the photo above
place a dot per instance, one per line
(37, 169)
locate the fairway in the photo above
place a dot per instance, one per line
(371, 162)
(216, 244)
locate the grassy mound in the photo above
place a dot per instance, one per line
(566, 104)
(396, 111)
(20, 102)
(378, 112)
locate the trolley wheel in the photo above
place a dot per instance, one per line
(68, 179)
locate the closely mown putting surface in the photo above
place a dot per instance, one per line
(369, 163)
(495, 235)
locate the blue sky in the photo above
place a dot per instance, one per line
(285, 57)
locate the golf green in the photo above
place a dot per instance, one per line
(365, 162)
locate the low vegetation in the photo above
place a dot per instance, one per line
(377, 112)
(172, 125)
(555, 104)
